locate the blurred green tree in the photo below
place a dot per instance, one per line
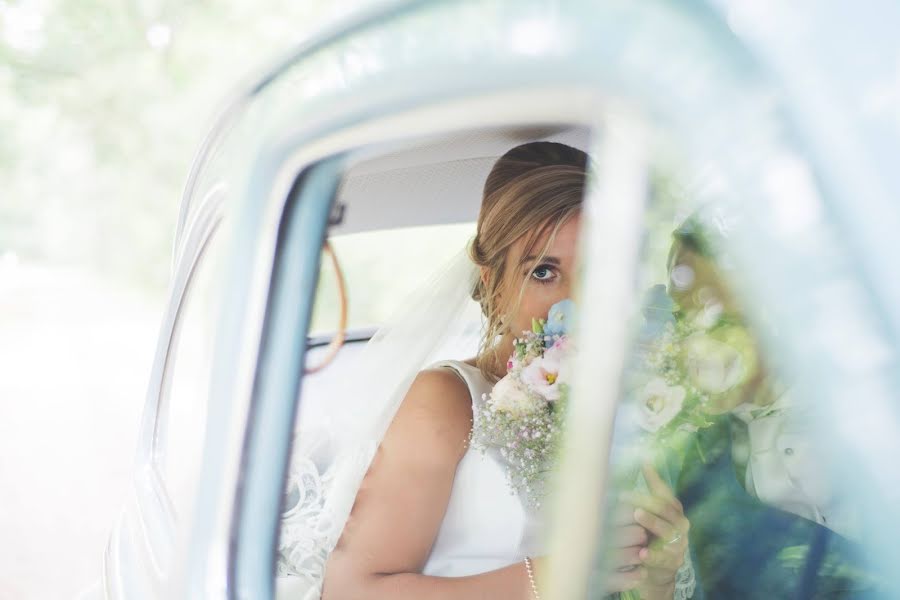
(102, 106)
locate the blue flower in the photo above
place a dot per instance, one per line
(560, 318)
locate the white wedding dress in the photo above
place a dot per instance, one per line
(486, 526)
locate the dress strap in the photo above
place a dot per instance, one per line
(472, 377)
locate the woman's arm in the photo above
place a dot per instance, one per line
(401, 504)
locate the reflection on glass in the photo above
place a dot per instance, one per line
(708, 408)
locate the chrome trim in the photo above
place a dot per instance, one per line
(353, 336)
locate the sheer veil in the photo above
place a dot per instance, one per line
(337, 436)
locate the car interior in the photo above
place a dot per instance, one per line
(421, 186)
(444, 175)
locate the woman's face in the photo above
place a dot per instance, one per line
(546, 282)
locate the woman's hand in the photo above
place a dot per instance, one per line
(625, 569)
(648, 541)
(662, 515)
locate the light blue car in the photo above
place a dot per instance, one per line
(385, 126)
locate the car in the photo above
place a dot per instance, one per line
(377, 134)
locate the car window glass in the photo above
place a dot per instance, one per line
(719, 459)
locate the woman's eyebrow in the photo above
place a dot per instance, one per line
(546, 259)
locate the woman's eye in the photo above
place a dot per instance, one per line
(543, 273)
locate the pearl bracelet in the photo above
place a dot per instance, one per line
(530, 571)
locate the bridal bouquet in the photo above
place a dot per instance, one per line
(685, 367)
(523, 415)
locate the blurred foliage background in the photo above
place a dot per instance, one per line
(103, 104)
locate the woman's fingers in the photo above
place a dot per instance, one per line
(654, 504)
(656, 525)
(621, 581)
(622, 514)
(669, 557)
(630, 535)
(660, 517)
(623, 558)
(662, 508)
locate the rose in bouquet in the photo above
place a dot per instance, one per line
(689, 367)
(684, 369)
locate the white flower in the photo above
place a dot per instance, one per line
(713, 366)
(543, 375)
(658, 403)
(509, 397)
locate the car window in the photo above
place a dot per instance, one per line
(183, 405)
(725, 461)
(379, 271)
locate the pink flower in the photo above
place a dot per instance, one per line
(542, 376)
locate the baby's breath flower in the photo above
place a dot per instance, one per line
(522, 416)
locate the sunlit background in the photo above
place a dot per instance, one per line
(103, 104)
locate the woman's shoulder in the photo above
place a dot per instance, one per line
(435, 416)
(441, 383)
(441, 391)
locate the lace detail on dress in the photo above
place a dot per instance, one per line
(302, 548)
(685, 582)
(319, 495)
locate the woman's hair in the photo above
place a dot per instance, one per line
(531, 190)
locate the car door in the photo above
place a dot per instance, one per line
(139, 560)
(787, 478)
(415, 69)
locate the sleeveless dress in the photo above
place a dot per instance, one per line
(486, 526)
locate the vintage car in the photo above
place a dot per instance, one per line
(377, 134)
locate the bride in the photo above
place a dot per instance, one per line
(433, 518)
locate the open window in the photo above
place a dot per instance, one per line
(402, 212)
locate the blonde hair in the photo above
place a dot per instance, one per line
(532, 190)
